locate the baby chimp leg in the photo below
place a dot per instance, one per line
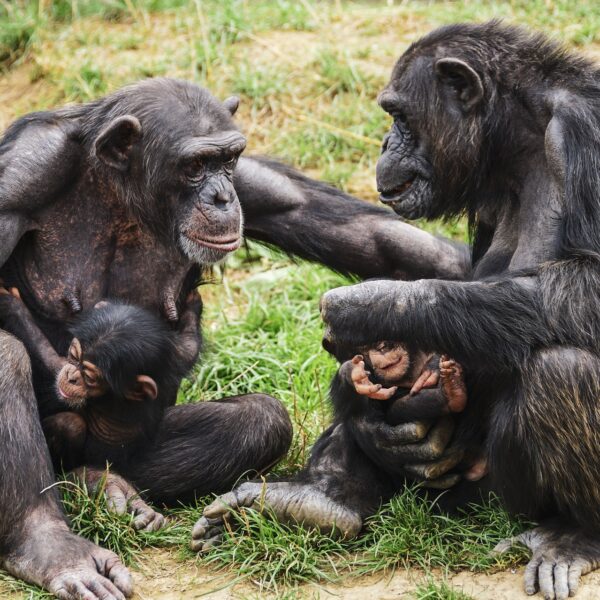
(206, 447)
(65, 434)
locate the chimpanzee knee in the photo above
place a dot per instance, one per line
(268, 425)
(544, 443)
(208, 447)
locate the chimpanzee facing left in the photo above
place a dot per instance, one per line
(121, 371)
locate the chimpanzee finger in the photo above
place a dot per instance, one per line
(561, 581)
(442, 483)
(116, 500)
(15, 292)
(393, 436)
(575, 571)
(221, 505)
(426, 379)
(359, 372)
(531, 575)
(104, 590)
(434, 445)
(434, 470)
(367, 389)
(383, 393)
(211, 543)
(546, 580)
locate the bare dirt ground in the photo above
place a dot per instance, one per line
(161, 576)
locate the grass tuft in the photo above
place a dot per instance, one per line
(412, 532)
(274, 555)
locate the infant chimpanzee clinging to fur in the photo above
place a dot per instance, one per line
(412, 381)
(409, 383)
(120, 372)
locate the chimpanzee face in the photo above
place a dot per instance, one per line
(208, 217)
(429, 152)
(171, 160)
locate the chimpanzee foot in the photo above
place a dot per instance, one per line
(560, 556)
(70, 567)
(453, 384)
(121, 497)
(289, 502)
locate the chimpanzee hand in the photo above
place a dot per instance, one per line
(121, 497)
(359, 376)
(560, 556)
(10, 301)
(364, 313)
(418, 449)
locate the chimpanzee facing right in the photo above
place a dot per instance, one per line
(122, 368)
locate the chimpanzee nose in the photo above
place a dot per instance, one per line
(73, 380)
(224, 197)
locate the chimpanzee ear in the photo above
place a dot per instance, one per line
(145, 389)
(462, 79)
(231, 104)
(114, 143)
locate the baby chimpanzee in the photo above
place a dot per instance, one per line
(121, 371)
(410, 383)
(408, 379)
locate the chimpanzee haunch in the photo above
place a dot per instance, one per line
(128, 197)
(504, 126)
(122, 368)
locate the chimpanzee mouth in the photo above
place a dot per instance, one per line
(224, 244)
(411, 199)
(72, 400)
(396, 194)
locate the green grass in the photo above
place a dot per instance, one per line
(308, 74)
(432, 590)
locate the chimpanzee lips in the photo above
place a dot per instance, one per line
(224, 243)
(395, 194)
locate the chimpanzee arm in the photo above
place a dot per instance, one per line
(38, 158)
(487, 325)
(319, 222)
(17, 319)
(189, 341)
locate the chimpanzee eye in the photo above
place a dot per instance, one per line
(194, 169)
(229, 165)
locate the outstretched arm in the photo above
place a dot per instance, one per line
(489, 325)
(319, 222)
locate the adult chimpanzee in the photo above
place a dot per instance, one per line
(124, 198)
(505, 127)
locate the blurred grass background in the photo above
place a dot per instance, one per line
(308, 74)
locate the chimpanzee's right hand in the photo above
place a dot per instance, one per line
(420, 450)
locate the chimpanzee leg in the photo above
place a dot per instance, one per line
(338, 489)
(545, 460)
(35, 541)
(206, 447)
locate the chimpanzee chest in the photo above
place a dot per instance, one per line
(85, 254)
